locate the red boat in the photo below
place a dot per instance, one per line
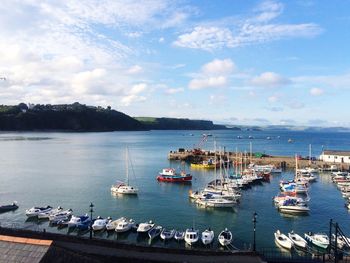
(170, 175)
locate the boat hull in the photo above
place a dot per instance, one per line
(174, 179)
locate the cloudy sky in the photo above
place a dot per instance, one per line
(239, 62)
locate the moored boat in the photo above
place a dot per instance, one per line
(124, 225)
(179, 235)
(100, 223)
(76, 220)
(35, 211)
(191, 236)
(6, 208)
(207, 236)
(225, 237)
(154, 232)
(319, 239)
(297, 240)
(170, 175)
(145, 227)
(46, 215)
(54, 218)
(282, 240)
(167, 234)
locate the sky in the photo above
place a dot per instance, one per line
(234, 62)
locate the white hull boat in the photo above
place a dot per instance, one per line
(113, 224)
(54, 218)
(154, 232)
(283, 240)
(179, 235)
(167, 234)
(145, 227)
(320, 240)
(297, 240)
(191, 236)
(124, 225)
(46, 215)
(35, 211)
(100, 224)
(207, 236)
(225, 237)
(77, 220)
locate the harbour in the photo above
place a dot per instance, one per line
(96, 161)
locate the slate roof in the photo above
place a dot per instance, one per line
(335, 152)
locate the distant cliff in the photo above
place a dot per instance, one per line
(178, 124)
(65, 117)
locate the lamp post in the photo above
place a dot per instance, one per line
(91, 211)
(255, 215)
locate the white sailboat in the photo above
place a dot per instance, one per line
(124, 187)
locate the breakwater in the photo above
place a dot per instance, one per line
(285, 162)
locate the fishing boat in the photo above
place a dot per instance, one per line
(179, 235)
(297, 240)
(54, 218)
(154, 232)
(319, 239)
(209, 164)
(124, 225)
(46, 215)
(170, 175)
(124, 187)
(282, 240)
(145, 227)
(191, 236)
(225, 237)
(35, 211)
(100, 223)
(167, 234)
(111, 225)
(76, 220)
(207, 236)
(6, 208)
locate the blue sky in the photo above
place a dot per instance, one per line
(234, 62)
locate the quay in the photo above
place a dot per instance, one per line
(285, 162)
(56, 248)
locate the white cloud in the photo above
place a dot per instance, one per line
(273, 99)
(161, 39)
(316, 91)
(210, 82)
(217, 66)
(269, 79)
(138, 88)
(127, 100)
(172, 91)
(294, 104)
(135, 69)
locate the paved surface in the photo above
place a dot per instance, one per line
(16, 249)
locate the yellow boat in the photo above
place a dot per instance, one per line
(204, 165)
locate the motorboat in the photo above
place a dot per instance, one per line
(35, 211)
(63, 223)
(124, 225)
(46, 215)
(319, 239)
(282, 240)
(111, 225)
(154, 232)
(207, 236)
(170, 175)
(297, 240)
(216, 202)
(54, 218)
(179, 235)
(6, 208)
(145, 227)
(167, 234)
(294, 206)
(191, 236)
(100, 223)
(76, 220)
(341, 241)
(225, 237)
(84, 225)
(124, 187)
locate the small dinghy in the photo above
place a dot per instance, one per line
(282, 240)
(112, 225)
(6, 208)
(124, 225)
(167, 234)
(225, 237)
(297, 240)
(35, 211)
(207, 236)
(320, 240)
(46, 215)
(191, 236)
(179, 235)
(154, 232)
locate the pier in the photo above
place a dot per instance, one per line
(285, 162)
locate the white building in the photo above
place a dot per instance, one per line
(333, 156)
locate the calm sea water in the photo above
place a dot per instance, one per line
(73, 169)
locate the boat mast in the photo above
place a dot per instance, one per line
(296, 167)
(127, 165)
(310, 154)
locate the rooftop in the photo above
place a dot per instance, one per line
(336, 152)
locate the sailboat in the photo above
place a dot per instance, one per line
(124, 187)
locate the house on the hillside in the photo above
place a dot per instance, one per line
(334, 156)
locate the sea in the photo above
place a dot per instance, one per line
(72, 170)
